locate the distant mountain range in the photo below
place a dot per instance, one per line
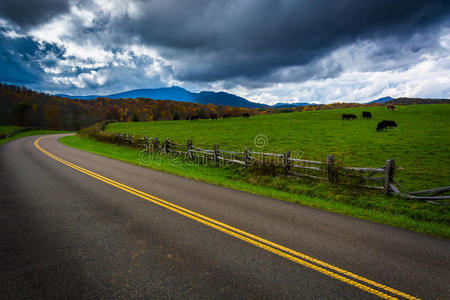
(289, 105)
(178, 94)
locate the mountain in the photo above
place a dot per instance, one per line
(382, 100)
(178, 94)
(222, 98)
(289, 105)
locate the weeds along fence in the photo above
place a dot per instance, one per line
(286, 163)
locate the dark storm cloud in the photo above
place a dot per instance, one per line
(31, 12)
(214, 40)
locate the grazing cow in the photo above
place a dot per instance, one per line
(188, 118)
(246, 115)
(225, 116)
(213, 116)
(391, 107)
(383, 125)
(192, 118)
(366, 115)
(348, 117)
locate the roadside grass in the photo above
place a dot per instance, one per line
(29, 133)
(370, 205)
(8, 129)
(420, 144)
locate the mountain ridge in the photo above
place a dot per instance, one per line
(177, 93)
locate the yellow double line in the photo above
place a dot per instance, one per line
(300, 258)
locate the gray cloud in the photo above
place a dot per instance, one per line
(213, 40)
(235, 44)
(28, 13)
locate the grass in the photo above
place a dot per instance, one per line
(369, 205)
(420, 144)
(8, 129)
(27, 133)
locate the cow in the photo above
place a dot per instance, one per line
(383, 125)
(213, 116)
(246, 115)
(192, 118)
(348, 117)
(366, 115)
(391, 107)
(225, 116)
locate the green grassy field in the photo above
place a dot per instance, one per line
(420, 144)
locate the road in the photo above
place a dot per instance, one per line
(74, 224)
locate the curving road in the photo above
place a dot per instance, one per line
(74, 224)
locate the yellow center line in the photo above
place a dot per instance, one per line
(245, 236)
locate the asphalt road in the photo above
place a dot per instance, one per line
(65, 234)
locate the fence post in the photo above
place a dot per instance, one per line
(388, 174)
(166, 146)
(246, 156)
(286, 162)
(216, 153)
(330, 168)
(147, 145)
(189, 148)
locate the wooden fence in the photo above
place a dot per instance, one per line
(381, 178)
(374, 178)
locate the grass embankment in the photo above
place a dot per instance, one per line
(8, 129)
(5, 130)
(420, 144)
(366, 204)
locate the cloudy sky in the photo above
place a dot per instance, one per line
(264, 50)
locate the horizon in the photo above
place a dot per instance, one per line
(261, 51)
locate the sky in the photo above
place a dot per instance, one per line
(266, 51)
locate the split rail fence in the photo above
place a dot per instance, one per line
(381, 178)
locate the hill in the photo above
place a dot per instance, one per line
(178, 94)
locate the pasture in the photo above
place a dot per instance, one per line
(420, 144)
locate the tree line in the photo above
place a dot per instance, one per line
(24, 107)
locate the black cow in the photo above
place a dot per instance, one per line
(192, 118)
(348, 117)
(246, 115)
(225, 116)
(383, 125)
(366, 115)
(391, 107)
(213, 116)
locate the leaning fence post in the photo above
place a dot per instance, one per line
(388, 174)
(330, 168)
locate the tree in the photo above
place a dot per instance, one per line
(135, 118)
(20, 111)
